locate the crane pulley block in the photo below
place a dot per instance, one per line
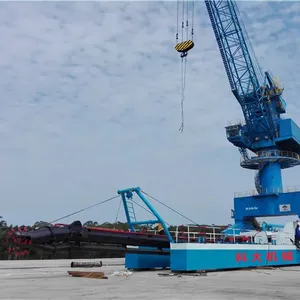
(184, 46)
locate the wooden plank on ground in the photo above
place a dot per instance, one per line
(97, 275)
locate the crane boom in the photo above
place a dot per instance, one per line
(235, 53)
(243, 72)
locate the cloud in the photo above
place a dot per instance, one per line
(90, 103)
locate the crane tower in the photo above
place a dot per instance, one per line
(274, 141)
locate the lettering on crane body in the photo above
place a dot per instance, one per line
(251, 208)
(267, 256)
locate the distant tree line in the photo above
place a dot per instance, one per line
(9, 252)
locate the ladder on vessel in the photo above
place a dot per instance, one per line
(131, 211)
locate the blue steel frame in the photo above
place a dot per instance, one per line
(232, 257)
(241, 71)
(128, 194)
(262, 105)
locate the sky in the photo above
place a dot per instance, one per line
(90, 103)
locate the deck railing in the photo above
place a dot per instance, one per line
(253, 192)
(201, 231)
(199, 234)
(194, 233)
(275, 153)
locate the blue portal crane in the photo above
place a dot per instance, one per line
(274, 142)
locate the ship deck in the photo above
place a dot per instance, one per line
(48, 279)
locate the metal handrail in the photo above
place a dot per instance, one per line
(191, 234)
(274, 153)
(211, 235)
(237, 122)
(253, 192)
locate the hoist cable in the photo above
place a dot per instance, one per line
(86, 208)
(192, 31)
(118, 211)
(187, 20)
(170, 208)
(182, 21)
(182, 73)
(184, 28)
(183, 81)
(145, 209)
(177, 25)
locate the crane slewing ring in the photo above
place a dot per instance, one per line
(186, 43)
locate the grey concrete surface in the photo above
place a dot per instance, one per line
(48, 279)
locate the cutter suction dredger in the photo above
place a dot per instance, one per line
(62, 237)
(187, 249)
(144, 249)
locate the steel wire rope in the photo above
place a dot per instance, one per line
(146, 209)
(184, 57)
(182, 22)
(183, 66)
(193, 9)
(172, 209)
(187, 20)
(84, 209)
(118, 211)
(183, 81)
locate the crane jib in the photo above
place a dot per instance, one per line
(242, 69)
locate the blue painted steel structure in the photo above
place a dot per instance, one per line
(143, 261)
(275, 142)
(226, 256)
(127, 198)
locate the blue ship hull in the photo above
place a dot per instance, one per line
(146, 261)
(137, 261)
(186, 257)
(194, 257)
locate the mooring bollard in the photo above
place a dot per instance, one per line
(75, 264)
